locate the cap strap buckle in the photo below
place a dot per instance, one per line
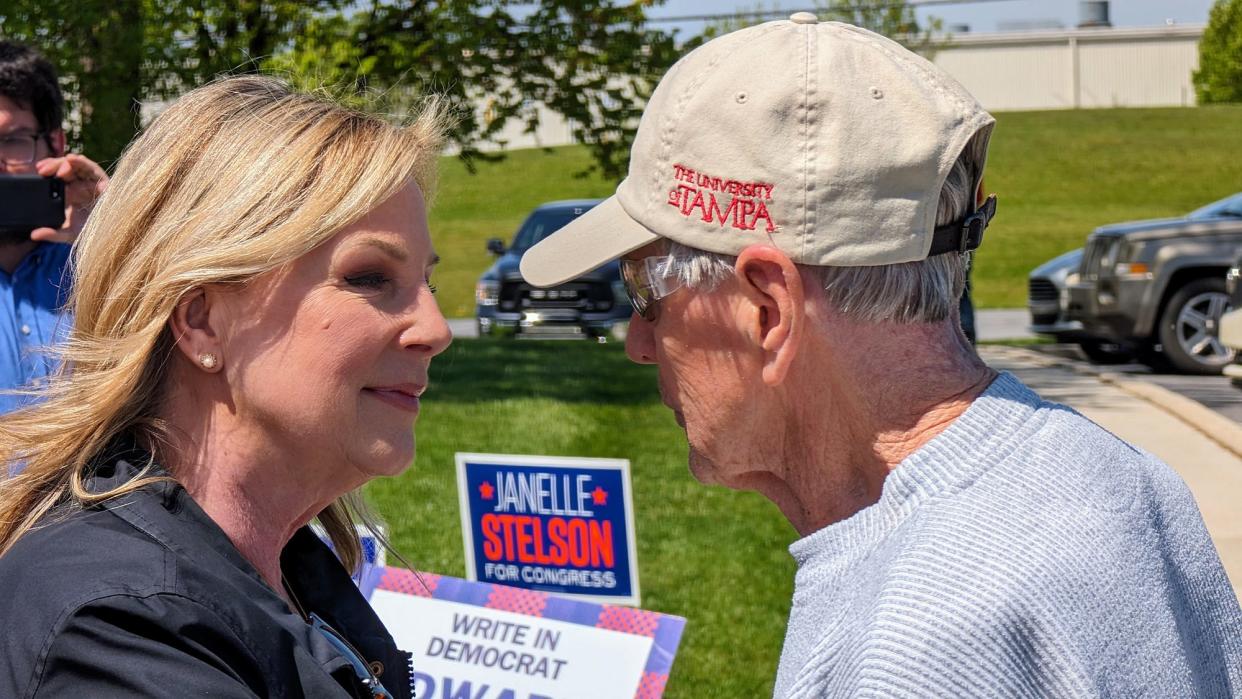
(966, 236)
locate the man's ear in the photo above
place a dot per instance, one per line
(196, 335)
(771, 282)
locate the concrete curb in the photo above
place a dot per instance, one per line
(1199, 417)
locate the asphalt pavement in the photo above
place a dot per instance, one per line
(993, 324)
(1215, 392)
(463, 327)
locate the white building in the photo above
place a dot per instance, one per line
(1051, 69)
(1077, 68)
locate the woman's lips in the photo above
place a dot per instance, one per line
(404, 398)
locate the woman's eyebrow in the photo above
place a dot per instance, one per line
(388, 248)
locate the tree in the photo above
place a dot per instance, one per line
(892, 18)
(594, 62)
(98, 49)
(215, 37)
(113, 56)
(1219, 78)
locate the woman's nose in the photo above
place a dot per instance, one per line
(428, 330)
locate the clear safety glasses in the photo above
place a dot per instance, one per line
(646, 282)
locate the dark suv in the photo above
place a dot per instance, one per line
(592, 305)
(1158, 287)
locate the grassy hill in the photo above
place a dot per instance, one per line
(1058, 174)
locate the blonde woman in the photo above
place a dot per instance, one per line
(253, 324)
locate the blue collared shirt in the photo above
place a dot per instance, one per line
(32, 299)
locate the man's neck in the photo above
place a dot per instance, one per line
(12, 253)
(860, 419)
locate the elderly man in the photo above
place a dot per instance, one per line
(801, 201)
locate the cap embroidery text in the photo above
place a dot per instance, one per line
(696, 191)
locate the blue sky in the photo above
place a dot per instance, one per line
(986, 16)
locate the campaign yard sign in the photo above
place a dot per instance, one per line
(477, 640)
(555, 524)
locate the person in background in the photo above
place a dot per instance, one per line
(33, 285)
(793, 234)
(253, 322)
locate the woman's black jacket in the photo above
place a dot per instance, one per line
(144, 596)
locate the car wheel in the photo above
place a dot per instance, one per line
(1190, 327)
(1101, 352)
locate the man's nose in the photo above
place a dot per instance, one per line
(640, 341)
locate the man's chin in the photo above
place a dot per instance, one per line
(703, 469)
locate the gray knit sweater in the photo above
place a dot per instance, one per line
(1023, 552)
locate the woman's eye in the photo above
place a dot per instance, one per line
(372, 280)
(432, 287)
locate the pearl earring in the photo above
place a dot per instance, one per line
(207, 360)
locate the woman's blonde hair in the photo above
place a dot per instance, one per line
(235, 179)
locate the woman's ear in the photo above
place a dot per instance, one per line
(771, 282)
(191, 325)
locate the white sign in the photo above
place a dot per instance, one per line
(464, 650)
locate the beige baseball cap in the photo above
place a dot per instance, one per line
(823, 139)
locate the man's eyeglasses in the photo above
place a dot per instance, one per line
(647, 281)
(19, 149)
(365, 674)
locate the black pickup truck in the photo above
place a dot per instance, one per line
(593, 305)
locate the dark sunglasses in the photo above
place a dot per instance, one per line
(646, 282)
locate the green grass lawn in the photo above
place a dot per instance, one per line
(715, 556)
(1058, 174)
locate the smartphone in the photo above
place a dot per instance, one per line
(28, 202)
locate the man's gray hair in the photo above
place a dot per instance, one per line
(925, 291)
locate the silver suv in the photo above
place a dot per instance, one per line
(1047, 300)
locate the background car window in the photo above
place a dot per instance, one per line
(540, 226)
(1229, 206)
